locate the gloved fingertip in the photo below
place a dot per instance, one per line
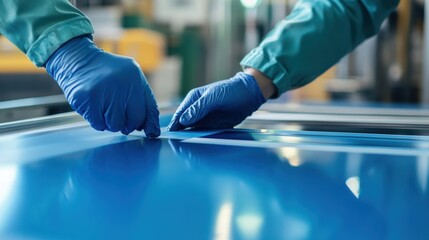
(158, 132)
(153, 133)
(152, 128)
(174, 126)
(185, 119)
(151, 136)
(126, 131)
(98, 127)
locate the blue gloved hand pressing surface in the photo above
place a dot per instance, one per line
(109, 91)
(222, 104)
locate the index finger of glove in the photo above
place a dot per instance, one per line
(198, 110)
(190, 99)
(135, 113)
(151, 124)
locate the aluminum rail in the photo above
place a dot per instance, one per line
(376, 110)
(48, 101)
(274, 113)
(61, 120)
(339, 118)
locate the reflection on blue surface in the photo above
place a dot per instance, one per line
(285, 137)
(170, 189)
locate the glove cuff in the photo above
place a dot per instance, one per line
(252, 85)
(70, 53)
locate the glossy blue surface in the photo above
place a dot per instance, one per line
(77, 183)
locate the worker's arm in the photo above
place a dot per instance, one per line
(310, 40)
(40, 27)
(315, 36)
(109, 91)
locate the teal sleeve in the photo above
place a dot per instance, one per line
(39, 27)
(315, 36)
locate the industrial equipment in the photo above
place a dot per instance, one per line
(320, 171)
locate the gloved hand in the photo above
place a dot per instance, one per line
(109, 91)
(221, 104)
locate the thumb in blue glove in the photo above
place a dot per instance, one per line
(109, 91)
(222, 104)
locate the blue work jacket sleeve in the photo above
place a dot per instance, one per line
(39, 27)
(315, 36)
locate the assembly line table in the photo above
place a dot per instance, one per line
(266, 179)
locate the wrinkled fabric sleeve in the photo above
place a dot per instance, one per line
(315, 36)
(40, 27)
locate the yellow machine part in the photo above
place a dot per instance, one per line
(12, 60)
(145, 46)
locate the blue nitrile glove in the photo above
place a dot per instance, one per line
(109, 91)
(222, 104)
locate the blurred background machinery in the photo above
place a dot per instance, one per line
(182, 44)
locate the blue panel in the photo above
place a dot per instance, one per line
(81, 184)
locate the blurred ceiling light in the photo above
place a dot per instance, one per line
(7, 180)
(8, 175)
(223, 222)
(249, 225)
(353, 183)
(291, 155)
(250, 3)
(422, 171)
(296, 227)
